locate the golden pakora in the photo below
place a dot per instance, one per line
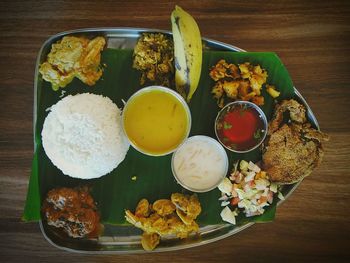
(165, 217)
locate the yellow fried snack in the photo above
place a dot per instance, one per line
(187, 207)
(163, 207)
(165, 217)
(272, 91)
(242, 82)
(73, 57)
(255, 74)
(143, 208)
(149, 241)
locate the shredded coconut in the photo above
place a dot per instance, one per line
(83, 137)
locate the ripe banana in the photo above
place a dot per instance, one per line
(187, 52)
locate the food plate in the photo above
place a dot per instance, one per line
(126, 238)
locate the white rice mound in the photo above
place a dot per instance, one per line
(83, 136)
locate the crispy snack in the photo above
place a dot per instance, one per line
(73, 57)
(150, 241)
(187, 208)
(154, 57)
(73, 210)
(165, 217)
(163, 207)
(242, 82)
(293, 149)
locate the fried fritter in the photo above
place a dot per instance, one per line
(143, 208)
(149, 241)
(163, 207)
(187, 207)
(162, 220)
(294, 149)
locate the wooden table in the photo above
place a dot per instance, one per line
(313, 40)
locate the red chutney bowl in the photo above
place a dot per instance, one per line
(241, 126)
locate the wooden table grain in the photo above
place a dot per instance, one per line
(313, 40)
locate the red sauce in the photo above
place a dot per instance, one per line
(240, 128)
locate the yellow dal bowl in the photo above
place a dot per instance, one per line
(156, 120)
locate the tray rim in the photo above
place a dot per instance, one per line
(131, 31)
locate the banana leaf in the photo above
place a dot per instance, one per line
(117, 191)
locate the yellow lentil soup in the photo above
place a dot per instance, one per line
(156, 120)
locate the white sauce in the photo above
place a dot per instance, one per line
(200, 164)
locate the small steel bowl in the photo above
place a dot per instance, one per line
(173, 93)
(220, 150)
(246, 104)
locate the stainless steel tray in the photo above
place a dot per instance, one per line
(126, 239)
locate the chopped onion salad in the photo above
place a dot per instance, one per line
(248, 189)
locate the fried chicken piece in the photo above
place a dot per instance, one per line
(293, 150)
(73, 210)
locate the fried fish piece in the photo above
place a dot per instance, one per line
(293, 150)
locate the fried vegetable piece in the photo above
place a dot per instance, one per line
(222, 70)
(176, 216)
(242, 82)
(163, 207)
(187, 207)
(272, 91)
(143, 208)
(292, 150)
(73, 57)
(149, 241)
(255, 74)
(154, 57)
(73, 210)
